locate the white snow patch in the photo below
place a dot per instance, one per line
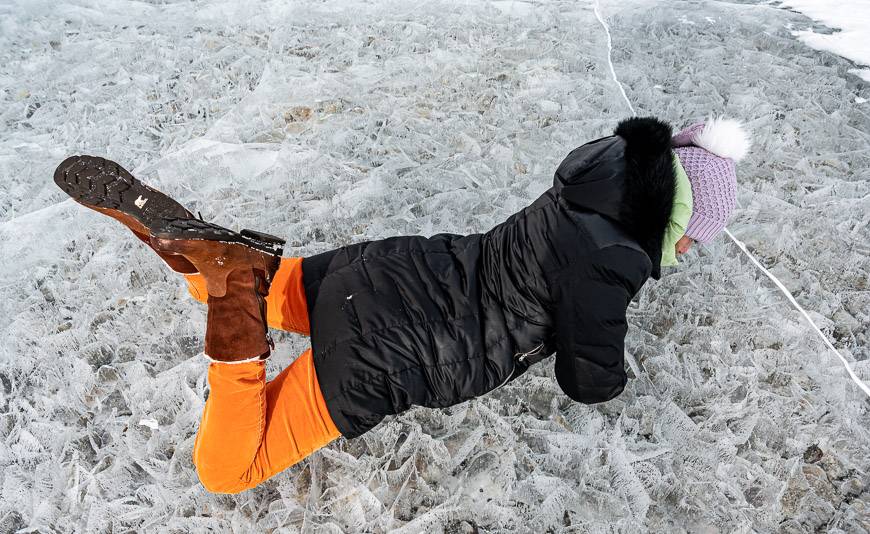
(852, 20)
(685, 20)
(150, 423)
(514, 8)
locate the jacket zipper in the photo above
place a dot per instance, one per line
(520, 357)
(534, 352)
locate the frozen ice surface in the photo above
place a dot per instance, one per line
(332, 122)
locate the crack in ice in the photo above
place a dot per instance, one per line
(740, 244)
(794, 303)
(595, 8)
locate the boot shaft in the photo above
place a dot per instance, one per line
(236, 328)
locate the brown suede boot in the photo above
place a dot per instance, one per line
(238, 270)
(108, 188)
(236, 329)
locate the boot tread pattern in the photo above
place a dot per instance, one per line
(103, 184)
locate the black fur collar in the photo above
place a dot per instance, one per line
(628, 177)
(650, 183)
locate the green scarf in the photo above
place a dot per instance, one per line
(680, 215)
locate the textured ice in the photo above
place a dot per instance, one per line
(332, 122)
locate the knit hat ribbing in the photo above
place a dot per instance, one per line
(708, 152)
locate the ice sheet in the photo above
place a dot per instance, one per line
(332, 122)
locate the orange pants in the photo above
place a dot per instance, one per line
(252, 429)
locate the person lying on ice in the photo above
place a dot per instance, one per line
(427, 321)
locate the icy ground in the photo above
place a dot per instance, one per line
(332, 121)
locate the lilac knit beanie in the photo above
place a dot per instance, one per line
(708, 151)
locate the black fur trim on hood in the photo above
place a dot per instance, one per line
(628, 177)
(650, 183)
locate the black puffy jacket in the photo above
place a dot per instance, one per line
(434, 321)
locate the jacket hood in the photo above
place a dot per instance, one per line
(628, 177)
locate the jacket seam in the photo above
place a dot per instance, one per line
(325, 351)
(403, 251)
(344, 390)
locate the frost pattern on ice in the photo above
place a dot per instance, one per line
(736, 241)
(334, 122)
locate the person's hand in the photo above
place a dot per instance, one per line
(683, 245)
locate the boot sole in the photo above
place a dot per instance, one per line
(105, 186)
(197, 230)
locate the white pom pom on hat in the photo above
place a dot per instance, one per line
(726, 138)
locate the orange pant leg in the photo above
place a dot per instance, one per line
(252, 430)
(286, 307)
